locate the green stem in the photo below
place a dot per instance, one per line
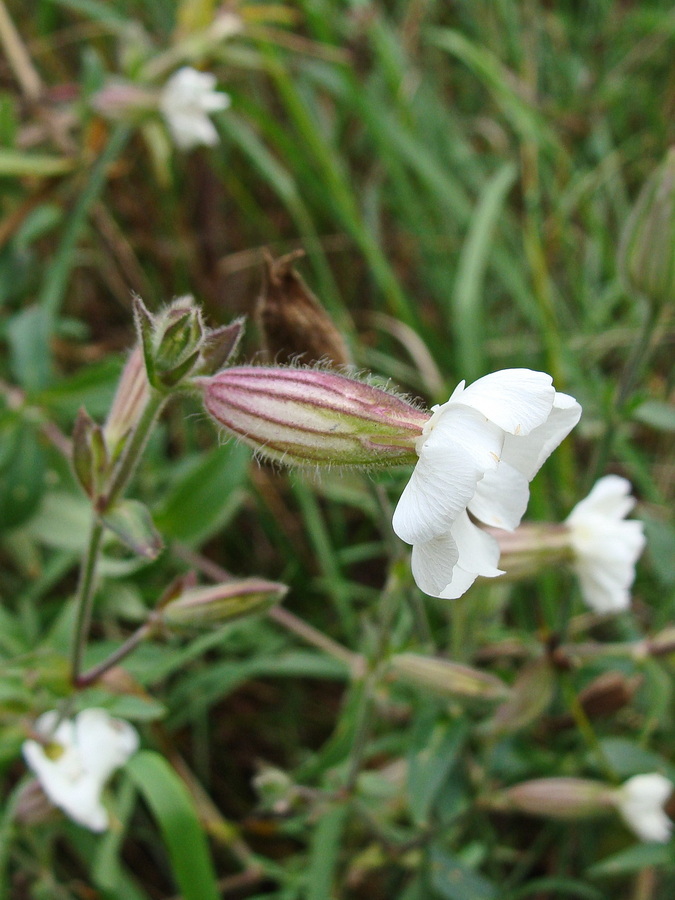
(118, 483)
(134, 449)
(91, 675)
(85, 597)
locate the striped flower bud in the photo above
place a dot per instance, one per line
(309, 416)
(557, 798)
(225, 602)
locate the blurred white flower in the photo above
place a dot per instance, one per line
(76, 759)
(640, 801)
(186, 101)
(478, 453)
(606, 547)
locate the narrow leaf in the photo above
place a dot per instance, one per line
(174, 811)
(131, 521)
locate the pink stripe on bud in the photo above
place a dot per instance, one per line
(303, 416)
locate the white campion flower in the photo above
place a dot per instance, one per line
(186, 101)
(77, 758)
(640, 802)
(477, 454)
(606, 546)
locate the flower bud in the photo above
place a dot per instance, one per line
(646, 257)
(130, 400)
(305, 416)
(557, 798)
(89, 454)
(171, 341)
(222, 602)
(447, 678)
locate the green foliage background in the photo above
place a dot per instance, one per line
(458, 175)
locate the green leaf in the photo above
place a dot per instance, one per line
(21, 473)
(657, 414)
(204, 498)
(634, 859)
(431, 765)
(324, 854)
(17, 163)
(563, 887)
(131, 521)
(629, 758)
(467, 310)
(175, 813)
(454, 880)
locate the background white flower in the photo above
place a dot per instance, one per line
(186, 101)
(76, 760)
(640, 801)
(478, 452)
(606, 547)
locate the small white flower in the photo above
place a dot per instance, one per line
(606, 547)
(186, 101)
(640, 801)
(478, 453)
(78, 757)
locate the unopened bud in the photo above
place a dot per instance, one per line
(124, 101)
(663, 643)
(275, 789)
(557, 798)
(309, 416)
(171, 341)
(646, 256)
(90, 454)
(224, 602)
(293, 323)
(130, 400)
(604, 696)
(447, 678)
(530, 696)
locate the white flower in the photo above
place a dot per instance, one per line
(77, 758)
(606, 547)
(640, 801)
(478, 452)
(186, 101)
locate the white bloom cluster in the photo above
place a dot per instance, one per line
(186, 101)
(478, 454)
(606, 546)
(76, 759)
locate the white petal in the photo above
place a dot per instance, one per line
(528, 454)
(517, 400)
(501, 498)
(68, 785)
(641, 801)
(478, 555)
(104, 743)
(606, 547)
(83, 754)
(448, 565)
(457, 452)
(432, 564)
(609, 497)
